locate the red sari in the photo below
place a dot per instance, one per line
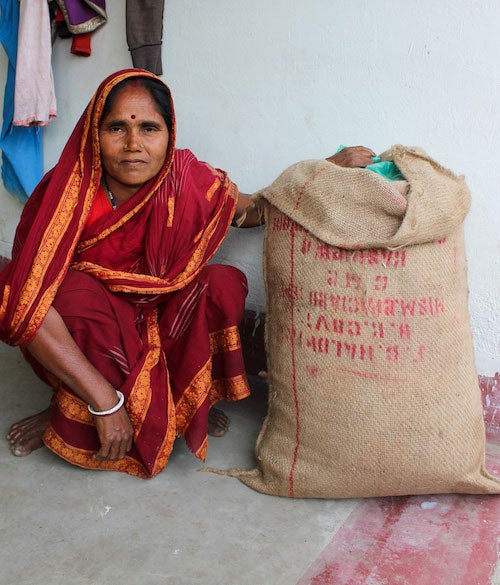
(135, 291)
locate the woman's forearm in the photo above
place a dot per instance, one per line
(56, 350)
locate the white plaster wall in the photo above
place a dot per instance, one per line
(260, 85)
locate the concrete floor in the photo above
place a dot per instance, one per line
(61, 525)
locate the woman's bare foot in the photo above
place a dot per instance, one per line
(26, 435)
(218, 422)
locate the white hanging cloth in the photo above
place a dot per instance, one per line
(34, 95)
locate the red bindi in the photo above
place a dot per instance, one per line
(133, 116)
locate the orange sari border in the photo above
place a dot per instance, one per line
(230, 389)
(47, 250)
(169, 439)
(203, 387)
(139, 398)
(225, 340)
(193, 397)
(213, 189)
(73, 408)
(5, 299)
(84, 458)
(201, 453)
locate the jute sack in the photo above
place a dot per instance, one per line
(373, 387)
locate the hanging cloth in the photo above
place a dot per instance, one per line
(82, 16)
(77, 19)
(22, 156)
(144, 33)
(34, 95)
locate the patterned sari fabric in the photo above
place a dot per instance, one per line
(135, 291)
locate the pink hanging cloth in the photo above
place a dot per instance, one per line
(34, 95)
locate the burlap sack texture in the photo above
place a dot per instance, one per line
(373, 387)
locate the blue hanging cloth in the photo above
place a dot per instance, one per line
(22, 154)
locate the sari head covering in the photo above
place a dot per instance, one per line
(156, 243)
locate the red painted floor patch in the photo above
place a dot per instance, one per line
(490, 390)
(420, 540)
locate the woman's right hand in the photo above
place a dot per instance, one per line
(116, 435)
(353, 156)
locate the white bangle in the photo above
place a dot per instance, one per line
(117, 406)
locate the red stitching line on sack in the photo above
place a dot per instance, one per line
(294, 372)
(306, 185)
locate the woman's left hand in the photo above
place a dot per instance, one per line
(353, 156)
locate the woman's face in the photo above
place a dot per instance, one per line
(134, 139)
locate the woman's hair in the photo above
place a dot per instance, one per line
(159, 92)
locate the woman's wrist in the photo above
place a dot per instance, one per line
(112, 410)
(252, 216)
